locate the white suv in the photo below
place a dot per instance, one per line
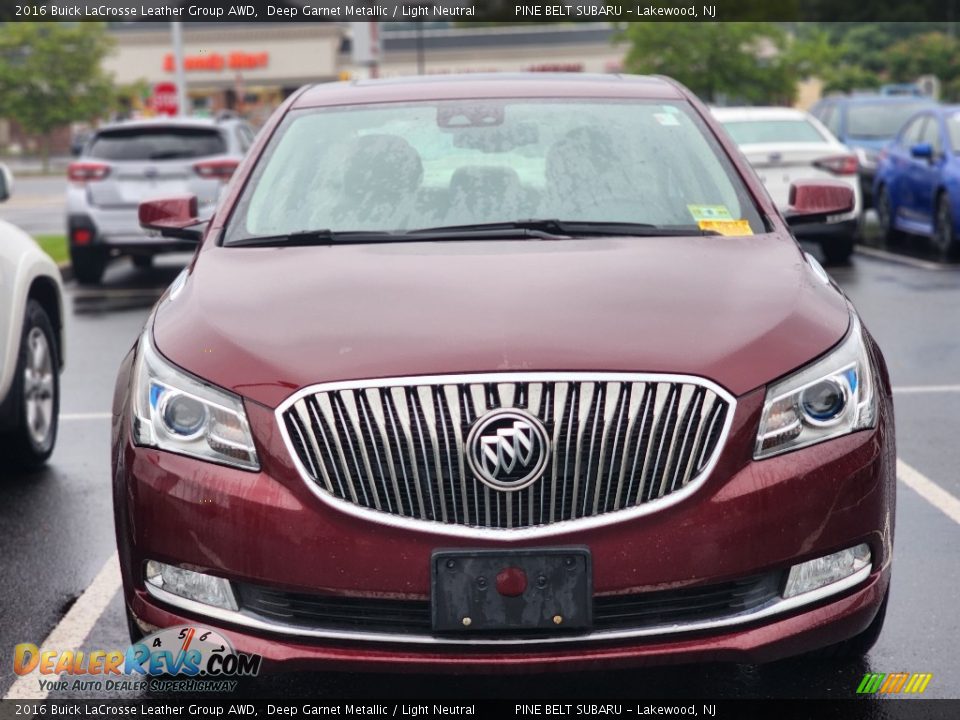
(31, 346)
(125, 163)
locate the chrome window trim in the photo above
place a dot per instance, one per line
(772, 609)
(557, 528)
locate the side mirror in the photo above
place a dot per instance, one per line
(813, 201)
(174, 217)
(922, 151)
(6, 183)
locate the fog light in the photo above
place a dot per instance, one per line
(191, 585)
(815, 574)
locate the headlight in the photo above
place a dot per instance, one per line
(832, 397)
(177, 412)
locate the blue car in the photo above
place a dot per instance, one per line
(865, 124)
(917, 185)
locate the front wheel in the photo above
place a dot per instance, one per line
(837, 250)
(36, 392)
(885, 215)
(945, 233)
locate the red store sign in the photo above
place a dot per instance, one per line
(215, 62)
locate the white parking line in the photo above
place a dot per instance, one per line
(74, 628)
(68, 417)
(924, 389)
(902, 259)
(929, 491)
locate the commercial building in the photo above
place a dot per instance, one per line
(251, 67)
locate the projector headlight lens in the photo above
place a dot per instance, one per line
(831, 397)
(180, 413)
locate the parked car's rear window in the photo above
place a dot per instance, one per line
(879, 120)
(157, 143)
(446, 163)
(746, 132)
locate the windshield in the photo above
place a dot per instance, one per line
(880, 120)
(953, 130)
(747, 132)
(398, 168)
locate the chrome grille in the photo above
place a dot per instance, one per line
(617, 442)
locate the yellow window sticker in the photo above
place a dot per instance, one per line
(709, 212)
(726, 227)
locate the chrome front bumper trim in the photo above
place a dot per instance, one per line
(774, 608)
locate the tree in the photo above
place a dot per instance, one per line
(50, 75)
(743, 61)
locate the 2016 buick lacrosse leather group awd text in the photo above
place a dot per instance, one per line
(501, 373)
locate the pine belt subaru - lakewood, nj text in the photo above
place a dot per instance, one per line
(502, 373)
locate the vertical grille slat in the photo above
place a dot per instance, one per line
(614, 443)
(384, 441)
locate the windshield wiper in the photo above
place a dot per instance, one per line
(315, 237)
(347, 237)
(527, 229)
(569, 228)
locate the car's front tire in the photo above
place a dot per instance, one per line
(885, 212)
(945, 233)
(837, 250)
(88, 264)
(36, 393)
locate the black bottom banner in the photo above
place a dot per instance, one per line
(909, 709)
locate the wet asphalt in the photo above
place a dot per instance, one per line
(57, 528)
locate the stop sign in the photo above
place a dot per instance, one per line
(164, 98)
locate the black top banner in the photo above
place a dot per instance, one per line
(468, 11)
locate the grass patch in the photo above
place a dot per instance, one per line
(55, 246)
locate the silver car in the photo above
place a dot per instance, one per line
(125, 163)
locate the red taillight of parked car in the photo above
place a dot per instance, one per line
(81, 236)
(216, 169)
(838, 164)
(87, 171)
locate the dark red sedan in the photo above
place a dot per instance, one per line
(501, 373)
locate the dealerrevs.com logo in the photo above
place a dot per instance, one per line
(184, 658)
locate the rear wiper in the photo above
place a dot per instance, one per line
(570, 228)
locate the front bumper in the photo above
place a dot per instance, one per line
(749, 517)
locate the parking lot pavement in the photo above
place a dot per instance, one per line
(38, 205)
(60, 535)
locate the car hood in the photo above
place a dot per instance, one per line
(265, 322)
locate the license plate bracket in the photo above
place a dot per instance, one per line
(512, 591)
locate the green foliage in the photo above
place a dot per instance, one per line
(743, 61)
(760, 63)
(50, 74)
(55, 246)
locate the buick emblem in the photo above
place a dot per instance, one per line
(507, 449)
